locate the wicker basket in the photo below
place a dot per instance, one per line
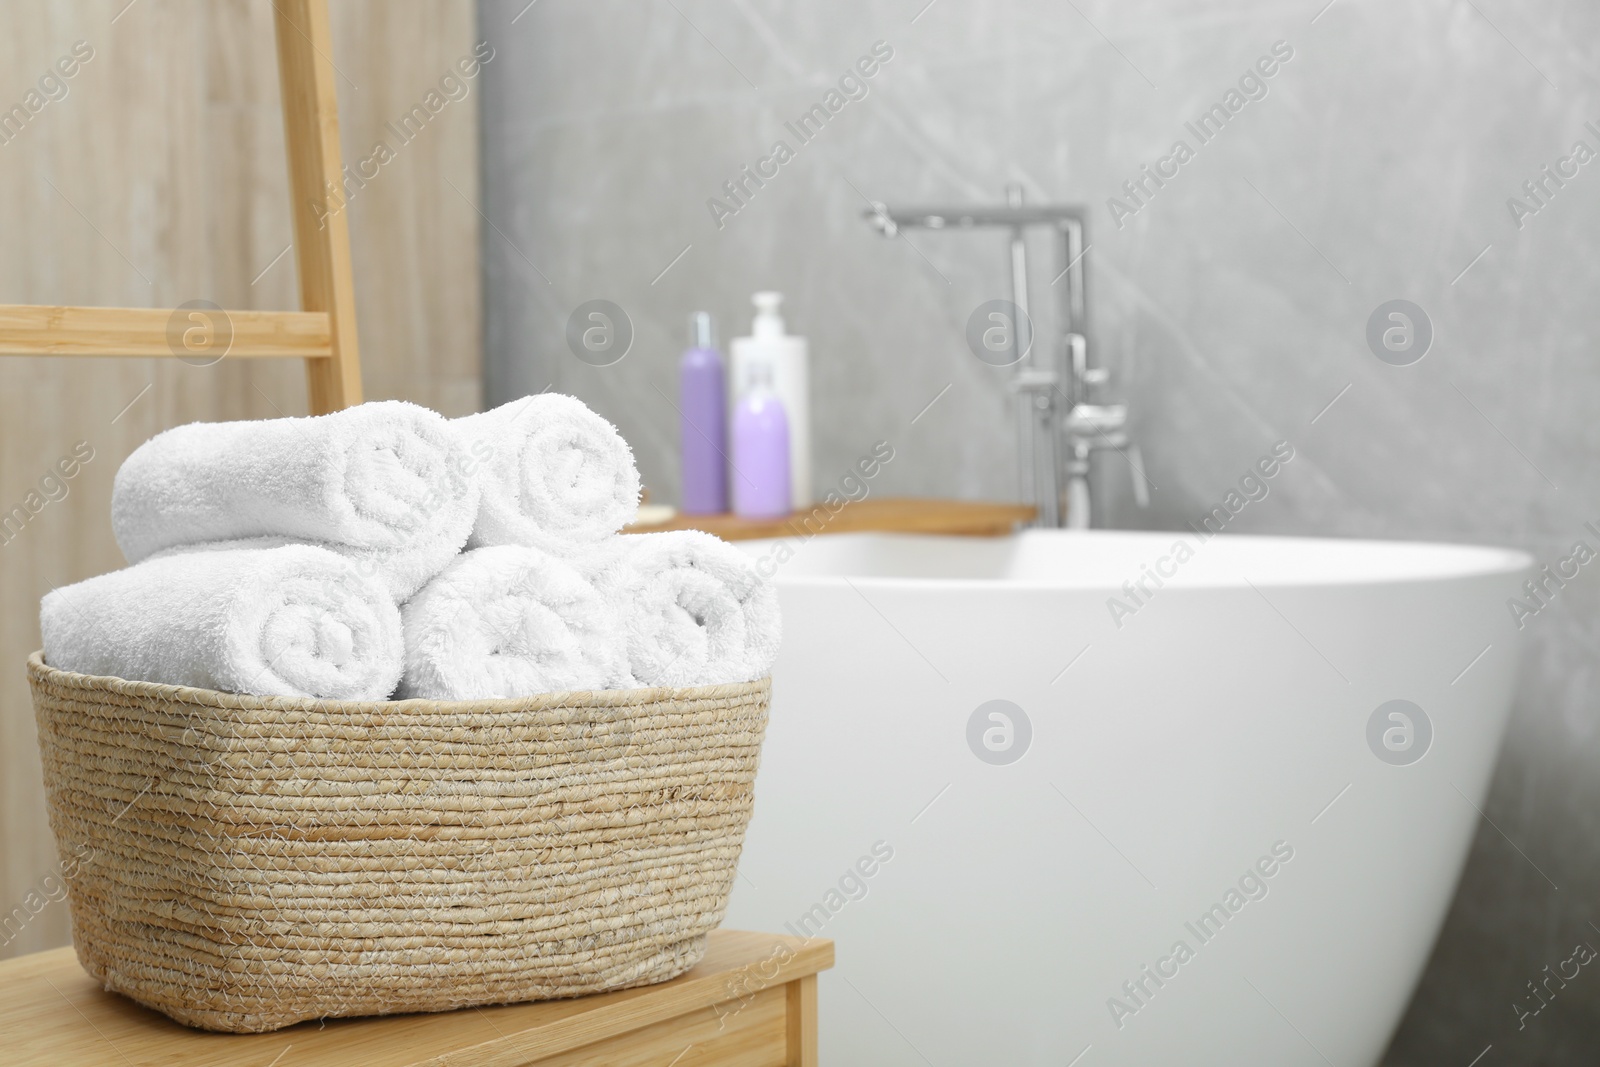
(245, 863)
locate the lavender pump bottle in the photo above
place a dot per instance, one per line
(702, 401)
(760, 449)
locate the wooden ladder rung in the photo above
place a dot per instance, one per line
(324, 334)
(39, 329)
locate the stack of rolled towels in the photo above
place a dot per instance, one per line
(386, 551)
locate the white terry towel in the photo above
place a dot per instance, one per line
(557, 476)
(291, 621)
(510, 621)
(695, 610)
(384, 483)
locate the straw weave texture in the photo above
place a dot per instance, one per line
(243, 863)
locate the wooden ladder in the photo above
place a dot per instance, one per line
(324, 332)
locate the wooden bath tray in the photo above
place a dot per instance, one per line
(968, 518)
(752, 1000)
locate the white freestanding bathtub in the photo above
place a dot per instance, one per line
(1208, 836)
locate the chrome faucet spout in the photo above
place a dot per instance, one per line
(1061, 423)
(969, 216)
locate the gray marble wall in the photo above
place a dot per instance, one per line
(1232, 304)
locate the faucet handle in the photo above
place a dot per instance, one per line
(1096, 421)
(1096, 376)
(1034, 380)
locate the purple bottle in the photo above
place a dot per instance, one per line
(760, 449)
(703, 404)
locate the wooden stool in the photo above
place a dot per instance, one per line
(752, 1001)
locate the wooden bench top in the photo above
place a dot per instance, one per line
(752, 1000)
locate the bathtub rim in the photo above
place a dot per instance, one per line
(1470, 561)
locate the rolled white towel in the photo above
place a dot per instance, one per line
(291, 621)
(510, 621)
(557, 476)
(385, 483)
(694, 608)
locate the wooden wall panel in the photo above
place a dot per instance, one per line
(160, 178)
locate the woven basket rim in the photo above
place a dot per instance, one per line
(41, 672)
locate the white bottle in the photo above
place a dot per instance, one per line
(788, 357)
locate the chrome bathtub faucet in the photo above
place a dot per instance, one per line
(1061, 422)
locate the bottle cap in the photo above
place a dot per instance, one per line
(769, 323)
(702, 330)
